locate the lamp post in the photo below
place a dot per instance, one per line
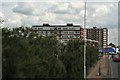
(99, 45)
(1, 22)
(85, 42)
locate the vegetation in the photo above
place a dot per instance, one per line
(30, 55)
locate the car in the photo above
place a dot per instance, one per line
(116, 58)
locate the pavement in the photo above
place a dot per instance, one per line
(114, 68)
(119, 71)
(100, 67)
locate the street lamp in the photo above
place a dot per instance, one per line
(85, 42)
(1, 22)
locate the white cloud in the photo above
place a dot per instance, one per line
(82, 13)
(102, 10)
(94, 15)
(23, 8)
(1, 15)
(111, 5)
(97, 13)
(100, 14)
(26, 8)
(77, 5)
(113, 35)
(59, 0)
(49, 17)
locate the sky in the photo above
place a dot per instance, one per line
(100, 13)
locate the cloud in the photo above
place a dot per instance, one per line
(1, 15)
(60, 8)
(59, 0)
(56, 12)
(113, 35)
(32, 13)
(102, 14)
(23, 8)
(77, 5)
(26, 8)
(66, 8)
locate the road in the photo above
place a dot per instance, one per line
(119, 70)
(114, 68)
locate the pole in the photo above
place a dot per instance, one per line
(1, 22)
(85, 42)
(99, 46)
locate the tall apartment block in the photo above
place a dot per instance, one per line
(64, 32)
(98, 34)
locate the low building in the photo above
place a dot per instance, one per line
(64, 32)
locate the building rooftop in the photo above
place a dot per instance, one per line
(48, 25)
(96, 28)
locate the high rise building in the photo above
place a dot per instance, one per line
(98, 34)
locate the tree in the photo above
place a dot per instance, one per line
(92, 56)
(73, 59)
(30, 57)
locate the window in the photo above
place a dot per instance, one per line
(40, 28)
(59, 28)
(104, 29)
(77, 32)
(51, 28)
(64, 36)
(55, 28)
(40, 32)
(77, 36)
(71, 28)
(35, 28)
(71, 32)
(59, 32)
(71, 36)
(65, 32)
(64, 28)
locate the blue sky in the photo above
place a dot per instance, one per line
(100, 13)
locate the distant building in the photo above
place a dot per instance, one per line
(98, 34)
(64, 32)
(74, 32)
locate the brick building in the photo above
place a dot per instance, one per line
(64, 32)
(98, 34)
(74, 32)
